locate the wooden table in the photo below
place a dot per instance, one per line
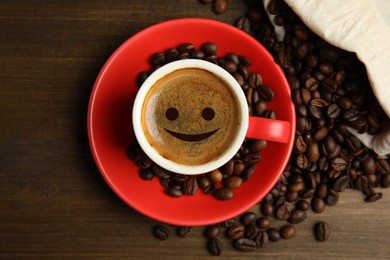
(54, 202)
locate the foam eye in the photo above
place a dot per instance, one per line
(172, 113)
(208, 113)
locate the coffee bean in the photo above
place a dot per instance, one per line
(243, 24)
(313, 153)
(322, 231)
(273, 7)
(251, 158)
(184, 231)
(282, 212)
(235, 232)
(260, 107)
(333, 111)
(220, 6)
(214, 176)
(213, 231)
(373, 197)
(247, 173)
(209, 48)
(185, 48)
(341, 183)
(161, 232)
(245, 244)
(248, 218)
(332, 197)
(273, 234)
(190, 186)
(263, 222)
(261, 239)
(287, 231)
(303, 204)
(297, 216)
(146, 174)
(265, 93)
(229, 66)
(214, 246)
(223, 194)
(250, 231)
(318, 205)
(267, 209)
(255, 80)
(174, 192)
(233, 182)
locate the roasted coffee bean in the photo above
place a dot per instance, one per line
(326, 68)
(282, 212)
(333, 111)
(251, 158)
(214, 176)
(273, 234)
(161, 232)
(273, 7)
(261, 239)
(263, 222)
(341, 183)
(213, 231)
(258, 146)
(247, 173)
(302, 161)
(318, 205)
(223, 193)
(174, 192)
(157, 59)
(141, 77)
(229, 222)
(260, 107)
(232, 182)
(160, 172)
(250, 231)
(243, 24)
(229, 66)
(238, 168)
(185, 48)
(248, 218)
(267, 209)
(220, 6)
(255, 80)
(184, 231)
(146, 174)
(235, 232)
(313, 153)
(209, 48)
(245, 244)
(368, 166)
(171, 54)
(197, 54)
(322, 190)
(265, 93)
(339, 164)
(190, 186)
(303, 204)
(315, 112)
(373, 197)
(214, 246)
(297, 216)
(385, 181)
(332, 197)
(288, 231)
(322, 231)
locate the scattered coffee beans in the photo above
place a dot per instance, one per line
(330, 90)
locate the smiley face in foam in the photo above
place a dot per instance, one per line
(190, 116)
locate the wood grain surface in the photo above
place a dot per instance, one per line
(53, 201)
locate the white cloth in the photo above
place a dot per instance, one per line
(363, 27)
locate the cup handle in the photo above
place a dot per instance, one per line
(269, 129)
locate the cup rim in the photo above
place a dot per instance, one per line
(173, 166)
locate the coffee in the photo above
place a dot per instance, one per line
(190, 116)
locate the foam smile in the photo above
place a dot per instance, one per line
(191, 137)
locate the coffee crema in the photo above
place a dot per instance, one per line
(190, 116)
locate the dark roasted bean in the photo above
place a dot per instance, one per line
(322, 231)
(161, 232)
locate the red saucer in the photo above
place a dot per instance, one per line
(110, 129)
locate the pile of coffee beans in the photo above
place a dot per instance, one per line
(220, 182)
(331, 91)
